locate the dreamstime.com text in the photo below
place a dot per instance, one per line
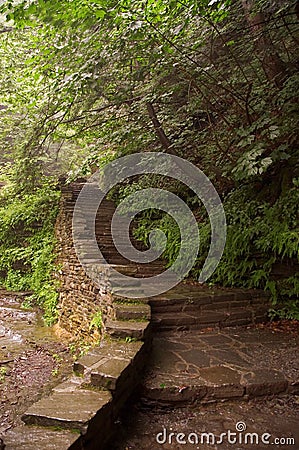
(238, 437)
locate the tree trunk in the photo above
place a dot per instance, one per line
(273, 66)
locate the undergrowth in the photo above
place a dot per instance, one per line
(27, 245)
(260, 235)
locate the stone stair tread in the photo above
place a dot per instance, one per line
(132, 311)
(86, 362)
(125, 329)
(129, 300)
(107, 349)
(71, 384)
(67, 409)
(124, 283)
(180, 317)
(106, 373)
(215, 383)
(134, 291)
(125, 324)
(180, 300)
(33, 438)
(124, 269)
(135, 268)
(197, 307)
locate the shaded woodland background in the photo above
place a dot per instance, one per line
(216, 82)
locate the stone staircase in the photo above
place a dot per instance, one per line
(87, 404)
(90, 400)
(187, 306)
(197, 307)
(106, 242)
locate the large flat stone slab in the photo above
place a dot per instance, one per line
(67, 410)
(37, 438)
(220, 375)
(234, 363)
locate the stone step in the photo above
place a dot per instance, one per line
(214, 384)
(35, 438)
(155, 265)
(75, 404)
(69, 410)
(125, 283)
(198, 319)
(109, 374)
(173, 321)
(132, 311)
(103, 238)
(120, 300)
(148, 274)
(128, 329)
(89, 200)
(118, 237)
(110, 244)
(134, 291)
(234, 363)
(71, 384)
(89, 207)
(145, 269)
(120, 374)
(129, 270)
(104, 223)
(137, 272)
(118, 260)
(199, 302)
(108, 348)
(88, 212)
(201, 306)
(217, 294)
(110, 248)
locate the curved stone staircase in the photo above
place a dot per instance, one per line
(89, 401)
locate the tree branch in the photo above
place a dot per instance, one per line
(165, 142)
(6, 29)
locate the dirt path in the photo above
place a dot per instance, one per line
(146, 428)
(32, 360)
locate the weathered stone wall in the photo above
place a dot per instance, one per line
(79, 298)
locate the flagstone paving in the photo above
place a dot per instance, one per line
(191, 367)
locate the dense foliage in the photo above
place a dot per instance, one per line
(212, 81)
(27, 245)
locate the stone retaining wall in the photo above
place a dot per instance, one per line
(79, 298)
